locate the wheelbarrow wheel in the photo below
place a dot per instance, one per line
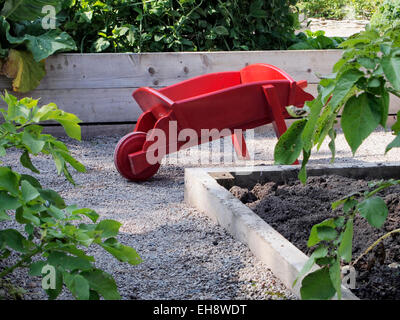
(132, 142)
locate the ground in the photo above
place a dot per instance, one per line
(185, 255)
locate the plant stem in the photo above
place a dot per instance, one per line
(20, 263)
(382, 187)
(375, 244)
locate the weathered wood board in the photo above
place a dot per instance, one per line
(98, 87)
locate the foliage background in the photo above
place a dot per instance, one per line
(179, 25)
(338, 9)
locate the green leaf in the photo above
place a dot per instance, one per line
(290, 144)
(361, 116)
(44, 112)
(4, 217)
(336, 277)
(326, 233)
(391, 68)
(121, 252)
(68, 262)
(27, 163)
(309, 129)
(221, 31)
(72, 161)
(318, 253)
(30, 215)
(346, 245)
(103, 283)
(101, 44)
(349, 204)
(20, 10)
(354, 41)
(45, 45)
(303, 45)
(56, 213)
(78, 286)
(53, 197)
(70, 248)
(394, 144)
(91, 214)
(13, 239)
(109, 228)
(35, 269)
(72, 128)
(366, 62)
(303, 171)
(69, 121)
(374, 209)
(344, 85)
(29, 193)
(8, 202)
(33, 144)
(8, 180)
(33, 181)
(385, 101)
(317, 286)
(324, 125)
(332, 145)
(314, 235)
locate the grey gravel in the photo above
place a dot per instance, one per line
(185, 255)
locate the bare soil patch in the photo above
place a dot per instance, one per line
(292, 209)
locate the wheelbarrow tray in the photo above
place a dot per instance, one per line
(225, 101)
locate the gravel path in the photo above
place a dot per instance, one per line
(186, 255)
(336, 28)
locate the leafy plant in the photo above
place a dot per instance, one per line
(366, 8)
(359, 89)
(388, 14)
(51, 229)
(315, 40)
(179, 25)
(24, 43)
(331, 9)
(338, 9)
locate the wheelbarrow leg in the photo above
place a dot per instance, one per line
(239, 143)
(278, 120)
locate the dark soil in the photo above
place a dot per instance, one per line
(292, 209)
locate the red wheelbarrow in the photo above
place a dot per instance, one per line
(230, 102)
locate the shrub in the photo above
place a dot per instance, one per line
(179, 25)
(337, 9)
(366, 8)
(309, 40)
(331, 9)
(49, 229)
(387, 15)
(24, 43)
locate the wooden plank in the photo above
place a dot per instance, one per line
(116, 104)
(79, 71)
(89, 131)
(92, 105)
(98, 87)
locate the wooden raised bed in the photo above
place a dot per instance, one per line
(98, 87)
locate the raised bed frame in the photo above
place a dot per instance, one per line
(207, 190)
(98, 87)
